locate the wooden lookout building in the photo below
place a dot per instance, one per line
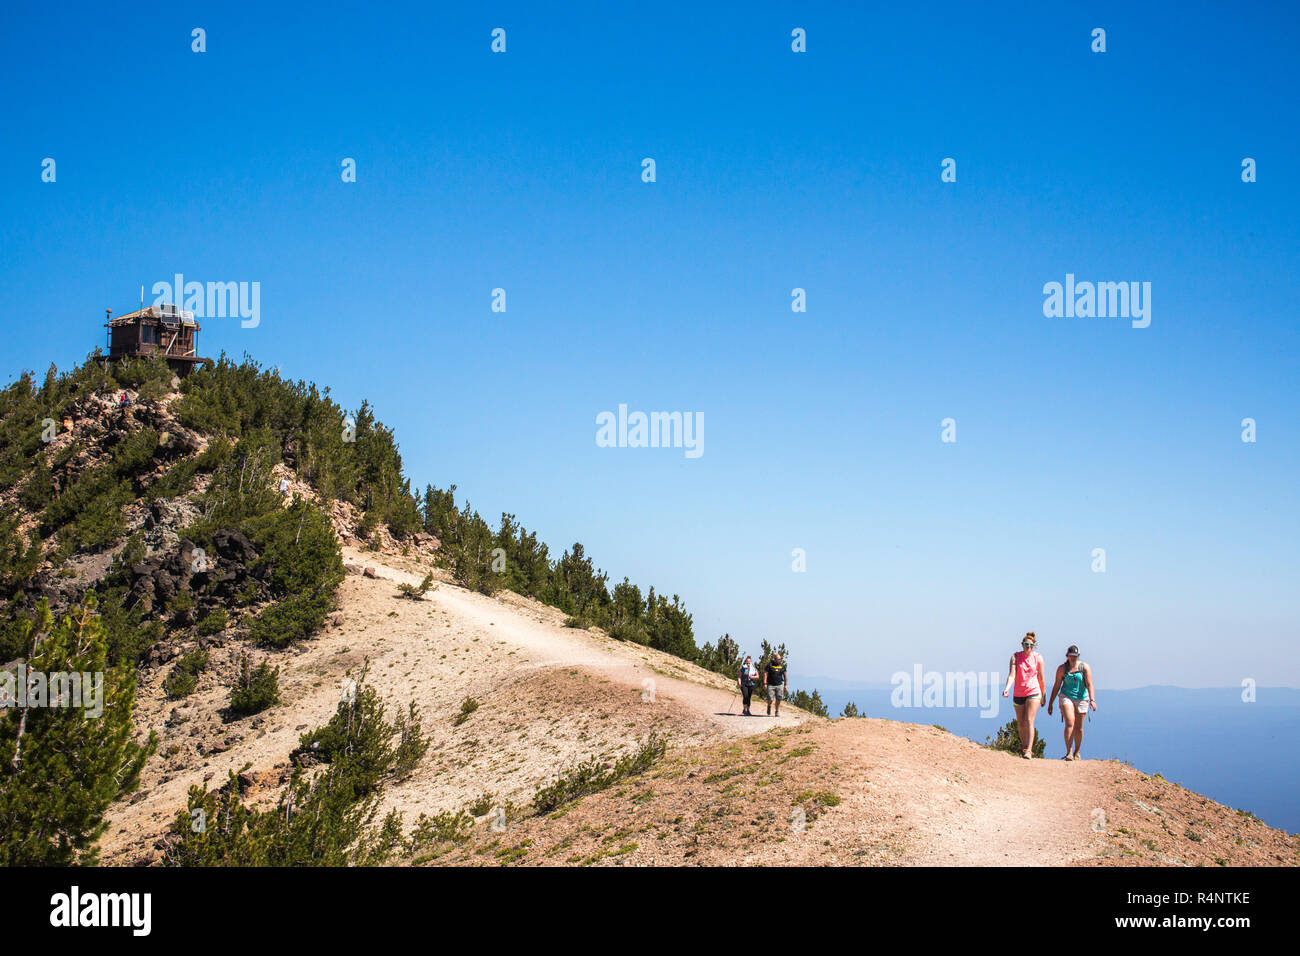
(163, 330)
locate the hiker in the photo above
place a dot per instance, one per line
(1074, 681)
(1027, 674)
(747, 679)
(775, 683)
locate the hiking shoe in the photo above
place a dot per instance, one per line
(1027, 755)
(1067, 757)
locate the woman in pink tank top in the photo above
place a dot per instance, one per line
(1027, 675)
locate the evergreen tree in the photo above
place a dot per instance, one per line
(724, 659)
(810, 702)
(255, 688)
(62, 766)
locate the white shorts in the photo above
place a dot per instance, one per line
(1080, 707)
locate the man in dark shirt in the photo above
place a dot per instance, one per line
(775, 682)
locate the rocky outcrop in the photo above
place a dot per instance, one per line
(211, 578)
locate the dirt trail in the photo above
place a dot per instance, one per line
(965, 805)
(842, 793)
(865, 792)
(549, 697)
(538, 633)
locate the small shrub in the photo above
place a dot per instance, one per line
(415, 592)
(184, 678)
(255, 689)
(627, 631)
(592, 776)
(1008, 739)
(441, 828)
(180, 606)
(214, 622)
(412, 745)
(359, 738)
(467, 707)
(289, 621)
(824, 798)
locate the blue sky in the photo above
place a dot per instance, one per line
(775, 170)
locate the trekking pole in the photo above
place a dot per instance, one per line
(732, 706)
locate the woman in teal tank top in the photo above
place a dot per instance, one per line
(1074, 684)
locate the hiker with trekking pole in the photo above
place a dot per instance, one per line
(746, 680)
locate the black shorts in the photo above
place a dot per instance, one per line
(1024, 700)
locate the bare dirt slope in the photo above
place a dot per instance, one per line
(549, 697)
(876, 792)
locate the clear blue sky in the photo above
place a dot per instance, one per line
(775, 170)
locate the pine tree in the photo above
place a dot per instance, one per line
(62, 766)
(255, 688)
(723, 659)
(810, 702)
